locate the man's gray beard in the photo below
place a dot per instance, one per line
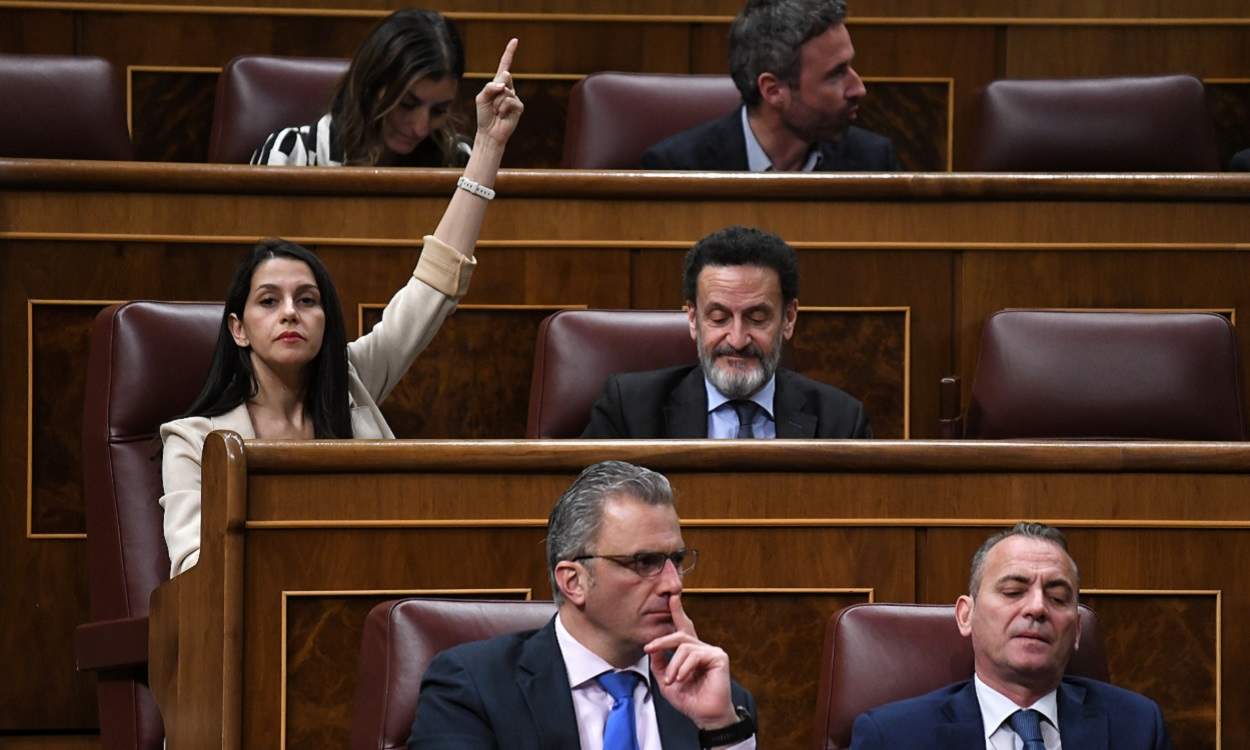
(734, 383)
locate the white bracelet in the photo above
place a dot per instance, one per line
(477, 188)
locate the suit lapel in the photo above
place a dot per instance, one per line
(676, 731)
(238, 420)
(963, 728)
(685, 413)
(793, 421)
(544, 682)
(1080, 724)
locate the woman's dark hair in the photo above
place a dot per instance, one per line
(231, 380)
(405, 46)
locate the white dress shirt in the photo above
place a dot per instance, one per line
(757, 159)
(591, 703)
(722, 420)
(997, 708)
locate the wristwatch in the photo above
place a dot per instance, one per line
(737, 732)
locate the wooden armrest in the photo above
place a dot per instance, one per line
(111, 644)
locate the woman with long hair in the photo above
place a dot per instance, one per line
(393, 107)
(283, 368)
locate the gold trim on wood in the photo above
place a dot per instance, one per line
(286, 594)
(239, 10)
(444, 523)
(30, 406)
(553, 244)
(361, 307)
(1218, 594)
(870, 591)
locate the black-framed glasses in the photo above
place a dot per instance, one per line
(649, 564)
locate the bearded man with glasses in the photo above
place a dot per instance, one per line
(620, 667)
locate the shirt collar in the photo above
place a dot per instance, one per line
(584, 665)
(757, 159)
(996, 707)
(763, 397)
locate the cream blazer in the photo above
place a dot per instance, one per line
(375, 363)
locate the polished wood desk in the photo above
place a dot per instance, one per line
(255, 647)
(899, 271)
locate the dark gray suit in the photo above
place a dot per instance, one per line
(719, 145)
(513, 692)
(672, 403)
(1092, 716)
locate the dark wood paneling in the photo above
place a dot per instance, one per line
(1088, 51)
(539, 138)
(473, 380)
(37, 32)
(914, 117)
(773, 641)
(171, 114)
(60, 337)
(1230, 110)
(1182, 676)
(323, 638)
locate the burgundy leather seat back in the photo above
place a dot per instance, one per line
(401, 638)
(615, 117)
(880, 653)
(62, 107)
(578, 349)
(1153, 124)
(1053, 374)
(258, 94)
(148, 361)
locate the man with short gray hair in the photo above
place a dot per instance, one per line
(791, 61)
(620, 666)
(1021, 614)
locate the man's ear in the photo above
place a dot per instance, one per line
(1076, 644)
(790, 314)
(237, 332)
(692, 317)
(963, 615)
(773, 91)
(573, 580)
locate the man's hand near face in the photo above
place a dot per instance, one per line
(692, 675)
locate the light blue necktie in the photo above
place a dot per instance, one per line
(619, 733)
(1028, 726)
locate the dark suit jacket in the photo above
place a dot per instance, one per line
(1240, 161)
(672, 403)
(719, 145)
(1092, 716)
(513, 692)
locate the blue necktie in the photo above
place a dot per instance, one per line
(746, 411)
(1028, 726)
(619, 733)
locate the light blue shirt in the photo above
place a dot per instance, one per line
(996, 710)
(758, 161)
(722, 420)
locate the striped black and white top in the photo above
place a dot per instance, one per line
(315, 146)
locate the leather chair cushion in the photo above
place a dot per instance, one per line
(1053, 374)
(258, 94)
(578, 349)
(62, 107)
(615, 117)
(1151, 124)
(401, 638)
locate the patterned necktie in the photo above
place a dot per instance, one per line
(1028, 726)
(620, 733)
(746, 411)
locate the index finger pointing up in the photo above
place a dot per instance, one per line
(505, 60)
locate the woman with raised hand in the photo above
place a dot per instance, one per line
(393, 106)
(282, 368)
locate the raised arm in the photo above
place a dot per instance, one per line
(498, 110)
